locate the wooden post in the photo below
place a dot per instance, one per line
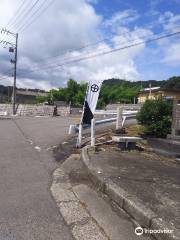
(93, 132)
(119, 118)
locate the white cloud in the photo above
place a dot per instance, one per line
(66, 25)
(125, 36)
(170, 46)
(121, 18)
(169, 21)
(70, 24)
(29, 83)
(172, 56)
(92, 1)
(118, 65)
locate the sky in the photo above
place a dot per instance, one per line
(55, 35)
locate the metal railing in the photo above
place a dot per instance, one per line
(120, 117)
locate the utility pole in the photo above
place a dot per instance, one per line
(12, 49)
(150, 91)
(8, 95)
(15, 68)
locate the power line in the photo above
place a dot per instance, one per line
(100, 50)
(25, 13)
(64, 59)
(16, 16)
(109, 52)
(93, 44)
(6, 43)
(88, 45)
(88, 53)
(70, 59)
(25, 26)
(6, 72)
(16, 13)
(4, 78)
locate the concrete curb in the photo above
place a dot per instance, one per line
(77, 217)
(133, 206)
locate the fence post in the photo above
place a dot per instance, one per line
(93, 123)
(119, 118)
(79, 139)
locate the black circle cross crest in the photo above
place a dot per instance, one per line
(94, 88)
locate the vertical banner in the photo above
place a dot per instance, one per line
(91, 99)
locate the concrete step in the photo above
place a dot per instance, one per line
(116, 227)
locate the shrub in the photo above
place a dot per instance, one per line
(156, 116)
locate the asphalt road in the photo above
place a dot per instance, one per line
(27, 210)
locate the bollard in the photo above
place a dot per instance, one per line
(93, 123)
(79, 139)
(123, 120)
(72, 130)
(119, 118)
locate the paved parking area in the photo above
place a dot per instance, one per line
(27, 210)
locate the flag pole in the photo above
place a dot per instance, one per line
(84, 103)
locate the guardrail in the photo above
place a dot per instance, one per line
(124, 112)
(120, 119)
(3, 113)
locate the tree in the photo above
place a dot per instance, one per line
(72, 90)
(112, 91)
(41, 99)
(156, 116)
(173, 83)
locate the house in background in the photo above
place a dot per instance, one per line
(28, 96)
(154, 93)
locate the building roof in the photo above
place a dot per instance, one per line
(30, 93)
(158, 89)
(153, 89)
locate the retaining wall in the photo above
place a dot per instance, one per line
(34, 110)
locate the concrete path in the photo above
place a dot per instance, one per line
(27, 210)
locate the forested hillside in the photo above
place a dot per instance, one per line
(173, 82)
(112, 91)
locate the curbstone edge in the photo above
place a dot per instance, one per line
(133, 206)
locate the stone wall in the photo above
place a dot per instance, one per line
(34, 110)
(6, 108)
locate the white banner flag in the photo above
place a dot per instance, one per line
(91, 100)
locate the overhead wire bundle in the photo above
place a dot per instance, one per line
(30, 11)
